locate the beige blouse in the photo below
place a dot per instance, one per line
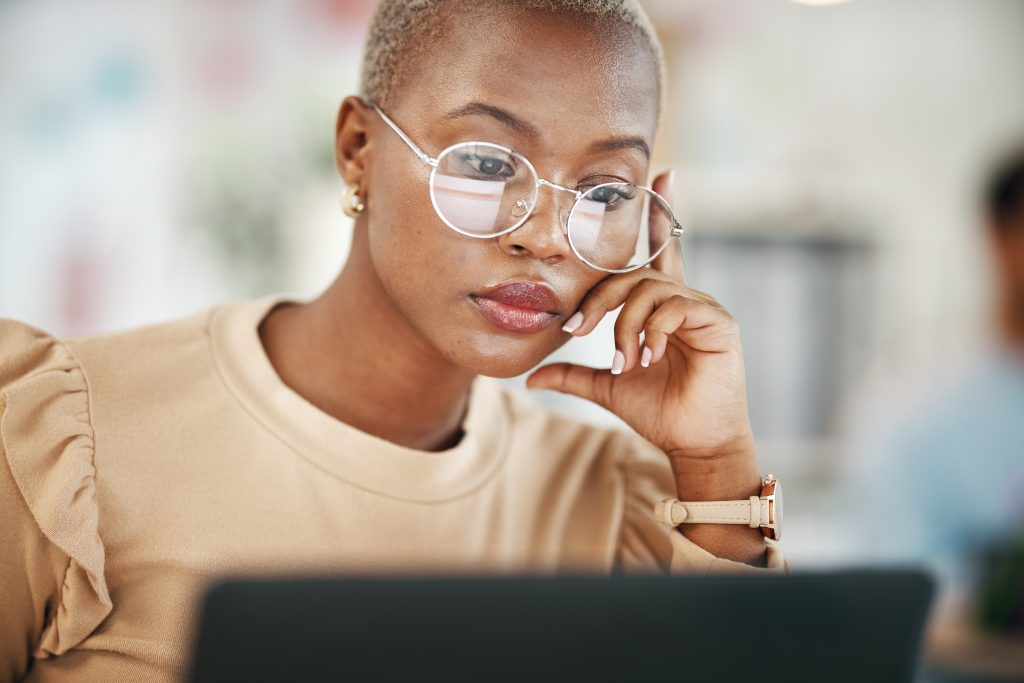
(135, 467)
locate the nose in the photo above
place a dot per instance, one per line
(542, 236)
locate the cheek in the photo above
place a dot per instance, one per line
(425, 268)
(582, 280)
(414, 258)
(401, 231)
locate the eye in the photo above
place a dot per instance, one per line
(609, 195)
(487, 165)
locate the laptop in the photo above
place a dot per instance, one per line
(857, 625)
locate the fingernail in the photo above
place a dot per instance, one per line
(573, 322)
(618, 362)
(645, 357)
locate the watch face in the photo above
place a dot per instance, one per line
(773, 491)
(777, 511)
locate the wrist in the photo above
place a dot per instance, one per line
(730, 472)
(739, 446)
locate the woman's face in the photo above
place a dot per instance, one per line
(579, 103)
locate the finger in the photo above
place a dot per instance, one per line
(611, 293)
(591, 384)
(670, 260)
(698, 324)
(663, 185)
(608, 295)
(642, 301)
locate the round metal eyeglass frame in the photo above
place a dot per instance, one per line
(676, 229)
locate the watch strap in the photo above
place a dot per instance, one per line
(753, 512)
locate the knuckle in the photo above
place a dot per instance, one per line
(660, 326)
(647, 285)
(660, 323)
(679, 301)
(627, 324)
(652, 330)
(699, 294)
(597, 301)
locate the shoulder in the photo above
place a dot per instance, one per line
(47, 447)
(27, 351)
(59, 397)
(54, 394)
(38, 373)
(152, 349)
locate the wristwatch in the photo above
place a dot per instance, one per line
(764, 511)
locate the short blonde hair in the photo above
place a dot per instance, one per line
(403, 29)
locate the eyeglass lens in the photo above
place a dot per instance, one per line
(483, 190)
(619, 226)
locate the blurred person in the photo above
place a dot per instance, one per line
(946, 486)
(495, 164)
(1005, 219)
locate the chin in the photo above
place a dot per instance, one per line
(503, 357)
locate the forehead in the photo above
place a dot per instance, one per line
(573, 78)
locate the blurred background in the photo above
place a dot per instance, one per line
(159, 157)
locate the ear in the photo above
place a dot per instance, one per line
(351, 148)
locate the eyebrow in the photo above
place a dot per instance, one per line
(520, 126)
(624, 142)
(497, 113)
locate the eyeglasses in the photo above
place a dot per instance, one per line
(481, 189)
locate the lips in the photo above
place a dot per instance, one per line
(522, 306)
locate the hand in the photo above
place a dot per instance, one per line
(691, 399)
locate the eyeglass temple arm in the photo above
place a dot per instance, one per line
(423, 156)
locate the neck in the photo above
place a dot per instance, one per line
(353, 355)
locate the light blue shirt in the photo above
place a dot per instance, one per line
(951, 480)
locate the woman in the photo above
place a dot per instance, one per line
(362, 430)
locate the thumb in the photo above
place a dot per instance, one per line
(591, 384)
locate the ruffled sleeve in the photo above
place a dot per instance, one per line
(52, 588)
(646, 544)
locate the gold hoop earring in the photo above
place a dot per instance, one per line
(351, 204)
